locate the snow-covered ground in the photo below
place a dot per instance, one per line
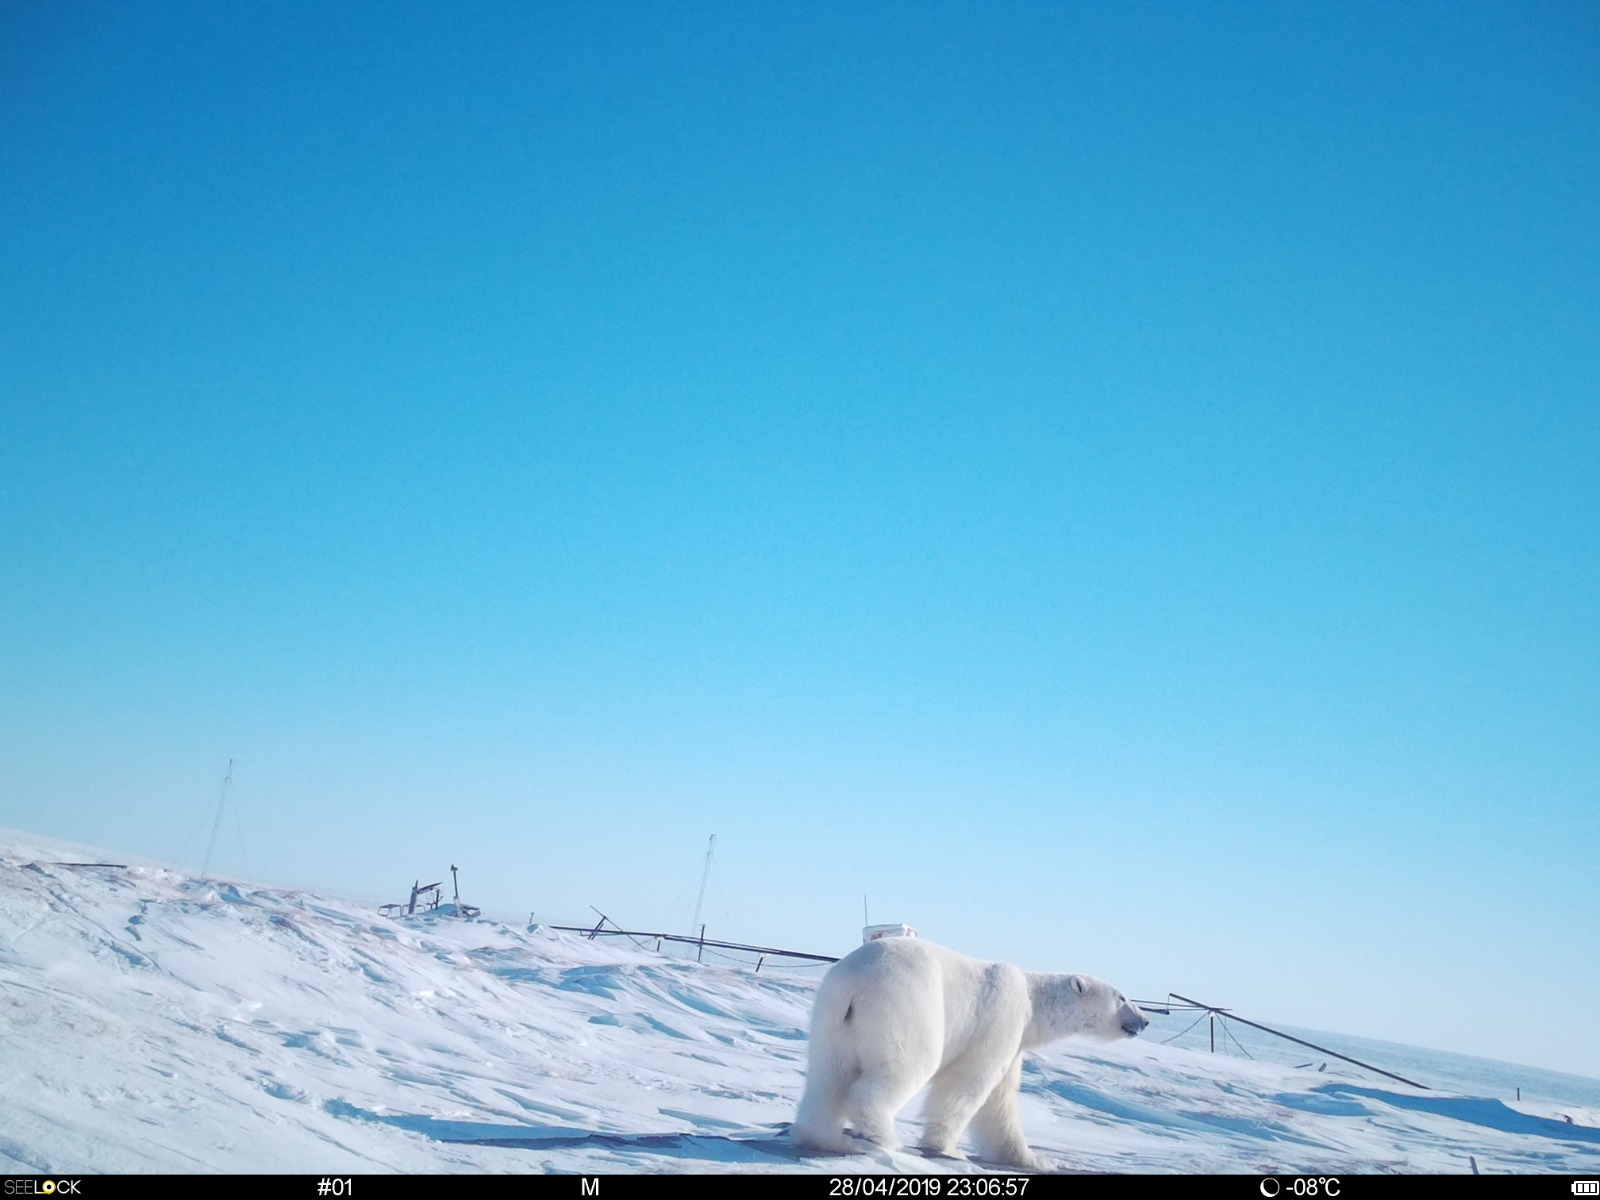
(152, 1021)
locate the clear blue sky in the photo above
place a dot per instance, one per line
(1115, 483)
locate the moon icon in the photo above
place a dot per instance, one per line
(1270, 1187)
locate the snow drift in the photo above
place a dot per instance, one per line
(151, 1021)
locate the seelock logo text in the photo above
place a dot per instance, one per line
(42, 1187)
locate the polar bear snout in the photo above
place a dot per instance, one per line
(1133, 1021)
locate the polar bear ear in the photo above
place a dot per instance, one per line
(1078, 984)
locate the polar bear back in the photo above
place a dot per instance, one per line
(899, 988)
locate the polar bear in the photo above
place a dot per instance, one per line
(901, 1013)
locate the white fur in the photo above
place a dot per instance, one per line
(902, 1013)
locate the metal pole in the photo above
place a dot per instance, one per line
(705, 877)
(691, 940)
(217, 824)
(1302, 1042)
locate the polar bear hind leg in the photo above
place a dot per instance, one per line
(874, 1043)
(819, 1125)
(898, 1048)
(883, 1089)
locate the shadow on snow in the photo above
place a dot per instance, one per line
(1470, 1110)
(555, 1137)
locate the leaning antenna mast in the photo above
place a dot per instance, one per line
(705, 877)
(217, 824)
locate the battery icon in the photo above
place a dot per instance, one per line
(1586, 1187)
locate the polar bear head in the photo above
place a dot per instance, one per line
(1107, 1013)
(1068, 1004)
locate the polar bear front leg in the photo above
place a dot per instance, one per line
(997, 1126)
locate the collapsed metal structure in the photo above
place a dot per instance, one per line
(431, 897)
